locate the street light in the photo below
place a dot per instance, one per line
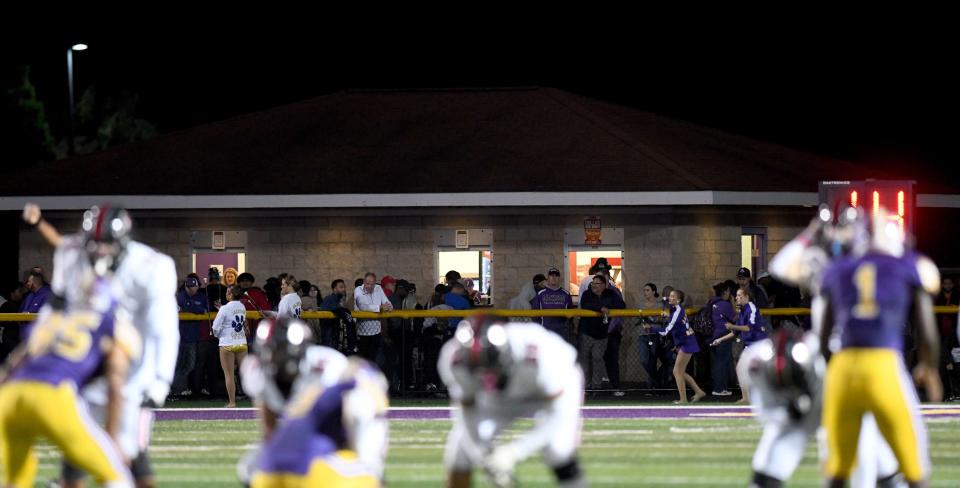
(70, 50)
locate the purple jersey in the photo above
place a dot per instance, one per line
(721, 312)
(312, 427)
(548, 299)
(66, 345)
(750, 316)
(870, 298)
(677, 327)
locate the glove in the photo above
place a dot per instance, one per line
(499, 466)
(156, 394)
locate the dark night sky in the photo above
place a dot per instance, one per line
(888, 101)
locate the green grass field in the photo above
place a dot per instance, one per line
(622, 452)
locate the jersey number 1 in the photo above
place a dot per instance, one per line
(865, 279)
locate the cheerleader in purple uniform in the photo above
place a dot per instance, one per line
(751, 327)
(686, 345)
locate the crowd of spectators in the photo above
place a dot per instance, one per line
(667, 350)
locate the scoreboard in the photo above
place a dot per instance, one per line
(896, 196)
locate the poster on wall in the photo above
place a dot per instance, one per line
(591, 231)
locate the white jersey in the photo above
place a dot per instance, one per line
(771, 404)
(146, 284)
(290, 306)
(542, 365)
(228, 325)
(365, 414)
(543, 380)
(800, 263)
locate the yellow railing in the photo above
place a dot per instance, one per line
(409, 314)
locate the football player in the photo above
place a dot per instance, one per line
(323, 415)
(869, 297)
(67, 346)
(496, 373)
(145, 282)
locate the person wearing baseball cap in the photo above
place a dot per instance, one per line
(190, 299)
(389, 284)
(216, 292)
(600, 266)
(611, 356)
(553, 297)
(744, 281)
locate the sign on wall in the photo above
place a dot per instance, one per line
(463, 239)
(218, 240)
(592, 231)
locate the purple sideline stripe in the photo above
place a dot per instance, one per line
(589, 413)
(205, 414)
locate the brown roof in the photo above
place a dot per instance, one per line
(437, 141)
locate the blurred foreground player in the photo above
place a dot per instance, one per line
(497, 373)
(869, 297)
(145, 283)
(67, 346)
(785, 374)
(323, 415)
(787, 426)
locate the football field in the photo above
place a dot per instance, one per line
(650, 445)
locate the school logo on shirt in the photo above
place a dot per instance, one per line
(238, 321)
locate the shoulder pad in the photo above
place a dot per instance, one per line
(929, 275)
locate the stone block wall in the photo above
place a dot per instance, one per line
(687, 251)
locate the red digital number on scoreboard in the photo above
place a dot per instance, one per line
(896, 196)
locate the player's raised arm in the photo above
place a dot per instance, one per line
(34, 217)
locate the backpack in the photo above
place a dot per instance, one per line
(702, 322)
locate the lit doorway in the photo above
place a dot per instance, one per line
(204, 260)
(579, 260)
(475, 264)
(753, 249)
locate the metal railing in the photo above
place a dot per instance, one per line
(410, 314)
(639, 357)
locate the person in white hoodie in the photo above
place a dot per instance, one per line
(290, 304)
(229, 328)
(522, 301)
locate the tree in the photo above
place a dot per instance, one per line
(110, 121)
(25, 125)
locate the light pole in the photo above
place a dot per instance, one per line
(70, 50)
